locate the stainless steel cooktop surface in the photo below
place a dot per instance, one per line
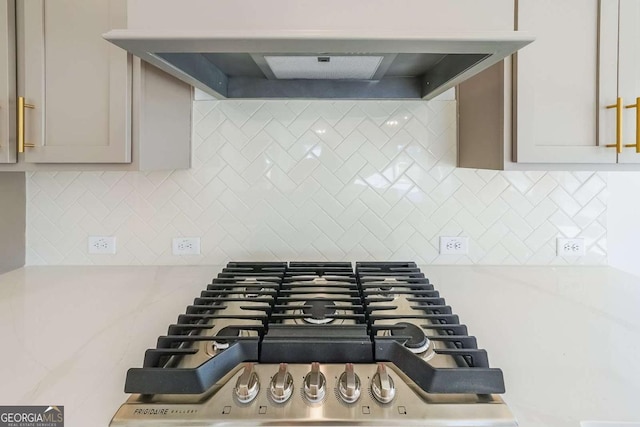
(316, 344)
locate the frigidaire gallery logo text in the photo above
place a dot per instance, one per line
(31, 416)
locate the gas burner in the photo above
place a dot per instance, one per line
(223, 343)
(418, 343)
(316, 280)
(253, 291)
(318, 310)
(386, 286)
(387, 291)
(253, 288)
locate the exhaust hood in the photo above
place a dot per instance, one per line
(308, 54)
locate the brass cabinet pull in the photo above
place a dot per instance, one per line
(21, 106)
(618, 107)
(637, 107)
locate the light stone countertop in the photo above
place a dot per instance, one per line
(567, 338)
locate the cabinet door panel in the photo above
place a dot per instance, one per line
(79, 83)
(629, 74)
(7, 82)
(557, 104)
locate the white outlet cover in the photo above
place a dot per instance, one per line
(570, 247)
(186, 246)
(105, 245)
(454, 245)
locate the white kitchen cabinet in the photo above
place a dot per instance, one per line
(88, 104)
(78, 84)
(7, 82)
(557, 107)
(548, 108)
(629, 78)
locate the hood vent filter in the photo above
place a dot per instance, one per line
(323, 67)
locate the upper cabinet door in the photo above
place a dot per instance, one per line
(79, 84)
(629, 78)
(7, 82)
(559, 114)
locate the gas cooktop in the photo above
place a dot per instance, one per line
(316, 344)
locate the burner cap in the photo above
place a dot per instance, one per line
(318, 309)
(253, 291)
(227, 331)
(418, 341)
(388, 287)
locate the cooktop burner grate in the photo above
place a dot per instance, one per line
(398, 294)
(223, 325)
(320, 307)
(317, 312)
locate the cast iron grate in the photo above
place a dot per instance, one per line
(251, 288)
(285, 309)
(319, 306)
(401, 289)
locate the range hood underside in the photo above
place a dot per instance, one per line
(243, 75)
(320, 65)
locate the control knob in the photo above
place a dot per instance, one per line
(247, 386)
(349, 384)
(281, 386)
(382, 386)
(314, 384)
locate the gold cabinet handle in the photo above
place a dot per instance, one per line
(618, 107)
(21, 106)
(637, 107)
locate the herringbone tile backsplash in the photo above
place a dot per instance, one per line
(318, 180)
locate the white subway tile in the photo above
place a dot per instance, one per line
(329, 180)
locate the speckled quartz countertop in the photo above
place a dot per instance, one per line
(567, 338)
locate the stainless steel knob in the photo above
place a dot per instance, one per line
(382, 386)
(281, 386)
(349, 384)
(314, 384)
(248, 385)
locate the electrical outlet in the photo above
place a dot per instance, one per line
(186, 246)
(454, 245)
(570, 247)
(102, 245)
